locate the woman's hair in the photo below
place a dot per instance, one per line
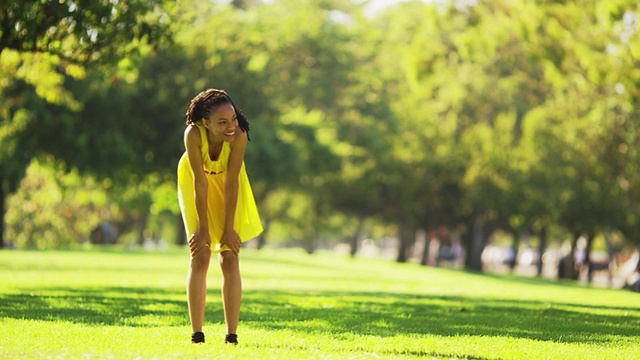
(205, 103)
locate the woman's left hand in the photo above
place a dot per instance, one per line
(232, 240)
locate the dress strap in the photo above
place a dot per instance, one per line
(204, 148)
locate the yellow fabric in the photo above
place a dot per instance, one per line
(247, 220)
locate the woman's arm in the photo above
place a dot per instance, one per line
(236, 157)
(193, 144)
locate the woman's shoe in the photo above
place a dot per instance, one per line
(197, 337)
(231, 339)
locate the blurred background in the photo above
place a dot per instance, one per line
(481, 135)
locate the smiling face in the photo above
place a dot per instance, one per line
(222, 124)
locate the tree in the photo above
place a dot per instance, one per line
(288, 62)
(41, 44)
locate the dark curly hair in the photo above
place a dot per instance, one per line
(205, 103)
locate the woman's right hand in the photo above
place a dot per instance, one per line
(198, 241)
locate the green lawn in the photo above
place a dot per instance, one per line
(131, 305)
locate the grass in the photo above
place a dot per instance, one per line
(131, 305)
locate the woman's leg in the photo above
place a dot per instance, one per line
(231, 289)
(197, 287)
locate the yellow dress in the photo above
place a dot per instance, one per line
(247, 220)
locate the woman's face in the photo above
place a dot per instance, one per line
(223, 123)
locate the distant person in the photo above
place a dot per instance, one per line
(216, 202)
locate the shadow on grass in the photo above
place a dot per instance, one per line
(390, 314)
(337, 313)
(125, 306)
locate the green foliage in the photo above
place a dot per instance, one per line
(297, 306)
(77, 31)
(54, 208)
(42, 45)
(57, 208)
(41, 71)
(517, 116)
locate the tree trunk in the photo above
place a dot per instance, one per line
(406, 237)
(262, 238)
(356, 237)
(542, 246)
(2, 211)
(309, 246)
(567, 266)
(142, 225)
(515, 246)
(476, 245)
(424, 259)
(181, 236)
(635, 286)
(610, 254)
(587, 259)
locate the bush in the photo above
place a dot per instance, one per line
(53, 208)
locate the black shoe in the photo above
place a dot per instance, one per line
(231, 339)
(197, 337)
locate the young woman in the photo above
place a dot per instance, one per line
(217, 203)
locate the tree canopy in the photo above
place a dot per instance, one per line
(520, 116)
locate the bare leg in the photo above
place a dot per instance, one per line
(231, 289)
(197, 287)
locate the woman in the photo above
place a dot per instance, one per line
(216, 201)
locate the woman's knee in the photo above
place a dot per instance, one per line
(201, 260)
(228, 260)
